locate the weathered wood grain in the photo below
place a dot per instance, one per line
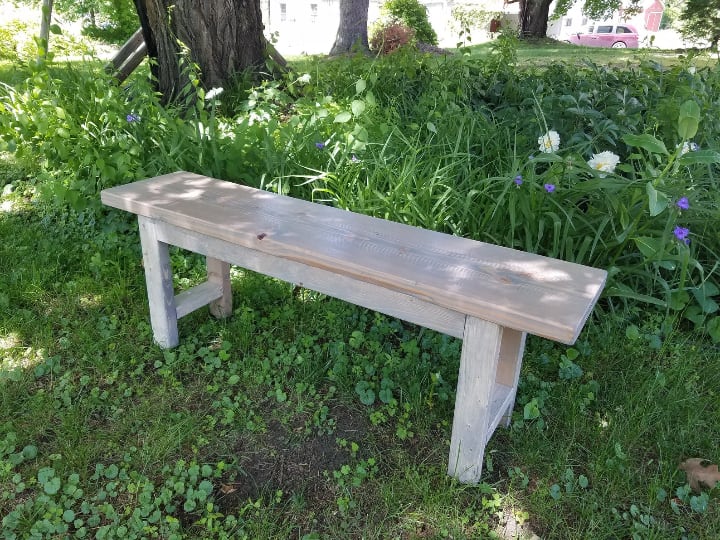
(527, 292)
(218, 272)
(476, 385)
(509, 364)
(489, 296)
(159, 282)
(363, 294)
(197, 297)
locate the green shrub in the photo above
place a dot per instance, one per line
(437, 143)
(413, 14)
(15, 40)
(7, 44)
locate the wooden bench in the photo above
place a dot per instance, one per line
(489, 296)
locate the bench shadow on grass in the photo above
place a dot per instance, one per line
(287, 458)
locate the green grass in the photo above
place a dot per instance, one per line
(264, 406)
(547, 51)
(262, 425)
(10, 73)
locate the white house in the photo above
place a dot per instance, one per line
(310, 26)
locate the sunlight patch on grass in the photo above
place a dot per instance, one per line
(513, 523)
(88, 301)
(9, 341)
(27, 359)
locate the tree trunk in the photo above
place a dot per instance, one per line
(352, 31)
(44, 37)
(534, 18)
(223, 37)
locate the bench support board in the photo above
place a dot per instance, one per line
(159, 282)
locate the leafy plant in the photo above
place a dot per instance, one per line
(414, 15)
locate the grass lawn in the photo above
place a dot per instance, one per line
(305, 417)
(260, 414)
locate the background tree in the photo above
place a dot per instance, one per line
(221, 37)
(534, 14)
(352, 31)
(44, 37)
(701, 19)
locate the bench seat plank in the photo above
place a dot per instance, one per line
(533, 294)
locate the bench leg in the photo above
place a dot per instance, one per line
(159, 281)
(218, 272)
(508, 371)
(476, 381)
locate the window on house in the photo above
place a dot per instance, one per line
(313, 13)
(283, 12)
(584, 21)
(568, 22)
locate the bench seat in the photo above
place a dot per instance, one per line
(489, 296)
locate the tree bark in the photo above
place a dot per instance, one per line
(47, 7)
(222, 37)
(534, 18)
(352, 31)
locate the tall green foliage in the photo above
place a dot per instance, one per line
(111, 20)
(701, 19)
(631, 185)
(413, 14)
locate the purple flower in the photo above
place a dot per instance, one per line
(354, 159)
(518, 180)
(683, 203)
(549, 188)
(681, 233)
(319, 145)
(132, 117)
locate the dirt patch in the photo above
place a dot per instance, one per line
(286, 458)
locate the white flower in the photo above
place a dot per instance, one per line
(692, 70)
(550, 142)
(605, 162)
(688, 146)
(304, 79)
(213, 93)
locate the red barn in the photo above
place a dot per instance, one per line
(653, 16)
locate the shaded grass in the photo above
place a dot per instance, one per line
(82, 382)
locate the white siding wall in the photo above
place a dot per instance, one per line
(301, 32)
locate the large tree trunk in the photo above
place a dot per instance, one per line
(223, 37)
(352, 31)
(534, 18)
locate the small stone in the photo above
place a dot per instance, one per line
(7, 190)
